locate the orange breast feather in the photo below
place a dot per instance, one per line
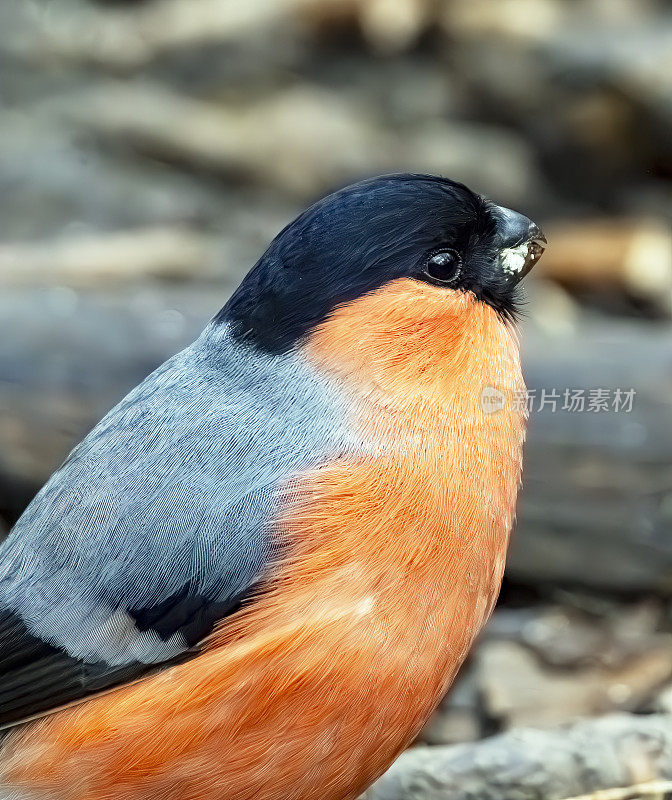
(395, 563)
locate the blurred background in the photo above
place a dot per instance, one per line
(150, 150)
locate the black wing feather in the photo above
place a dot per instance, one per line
(36, 677)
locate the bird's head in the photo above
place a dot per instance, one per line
(367, 236)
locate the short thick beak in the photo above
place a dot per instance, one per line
(521, 243)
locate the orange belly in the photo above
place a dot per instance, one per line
(396, 561)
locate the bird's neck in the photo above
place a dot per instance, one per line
(418, 357)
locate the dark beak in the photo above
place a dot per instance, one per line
(521, 243)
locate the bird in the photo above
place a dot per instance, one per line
(258, 575)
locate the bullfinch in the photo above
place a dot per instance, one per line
(258, 574)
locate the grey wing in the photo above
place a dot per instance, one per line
(156, 527)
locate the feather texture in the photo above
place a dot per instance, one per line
(157, 525)
(396, 557)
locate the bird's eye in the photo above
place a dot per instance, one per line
(443, 266)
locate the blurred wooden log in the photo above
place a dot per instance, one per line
(107, 258)
(394, 25)
(518, 690)
(545, 666)
(615, 752)
(303, 140)
(596, 505)
(131, 36)
(504, 19)
(632, 256)
(128, 38)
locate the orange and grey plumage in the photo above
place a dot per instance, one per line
(384, 553)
